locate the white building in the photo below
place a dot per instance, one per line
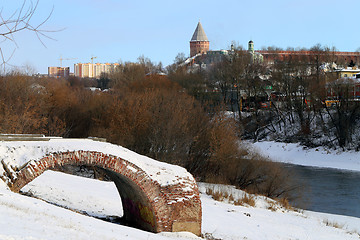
(93, 70)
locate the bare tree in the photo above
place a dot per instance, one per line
(344, 114)
(21, 20)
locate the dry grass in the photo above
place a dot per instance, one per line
(333, 224)
(337, 225)
(250, 200)
(284, 202)
(272, 205)
(218, 196)
(354, 232)
(209, 236)
(231, 198)
(246, 200)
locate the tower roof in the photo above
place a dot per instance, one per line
(199, 34)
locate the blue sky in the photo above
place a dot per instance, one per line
(115, 30)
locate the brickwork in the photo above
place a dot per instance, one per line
(337, 57)
(199, 47)
(147, 204)
(199, 42)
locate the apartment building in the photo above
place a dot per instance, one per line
(93, 70)
(58, 72)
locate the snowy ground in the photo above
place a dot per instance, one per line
(315, 157)
(22, 217)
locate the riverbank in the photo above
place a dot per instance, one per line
(32, 218)
(294, 153)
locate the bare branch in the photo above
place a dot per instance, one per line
(5, 61)
(22, 20)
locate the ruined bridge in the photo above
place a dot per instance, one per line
(155, 196)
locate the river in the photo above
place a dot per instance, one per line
(329, 190)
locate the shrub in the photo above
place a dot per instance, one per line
(20, 111)
(272, 206)
(284, 203)
(153, 117)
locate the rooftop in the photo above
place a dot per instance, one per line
(199, 34)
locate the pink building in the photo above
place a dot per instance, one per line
(58, 72)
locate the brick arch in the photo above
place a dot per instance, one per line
(146, 204)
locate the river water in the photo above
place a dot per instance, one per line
(329, 190)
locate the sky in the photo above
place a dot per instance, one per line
(118, 30)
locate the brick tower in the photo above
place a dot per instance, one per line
(199, 42)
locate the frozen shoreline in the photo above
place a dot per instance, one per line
(26, 217)
(294, 153)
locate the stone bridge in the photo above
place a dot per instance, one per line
(155, 196)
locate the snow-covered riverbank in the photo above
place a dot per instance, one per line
(315, 157)
(23, 217)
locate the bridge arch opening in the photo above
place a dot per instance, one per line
(146, 204)
(133, 209)
(79, 193)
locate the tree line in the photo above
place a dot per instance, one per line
(284, 100)
(146, 112)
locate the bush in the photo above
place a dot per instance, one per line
(155, 118)
(229, 163)
(20, 111)
(284, 202)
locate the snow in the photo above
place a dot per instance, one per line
(238, 222)
(22, 217)
(314, 157)
(18, 153)
(260, 201)
(50, 187)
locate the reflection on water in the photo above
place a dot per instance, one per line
(330, 190)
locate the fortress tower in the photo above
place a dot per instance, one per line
(199, 42)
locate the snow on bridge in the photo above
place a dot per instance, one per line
(156, 196)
